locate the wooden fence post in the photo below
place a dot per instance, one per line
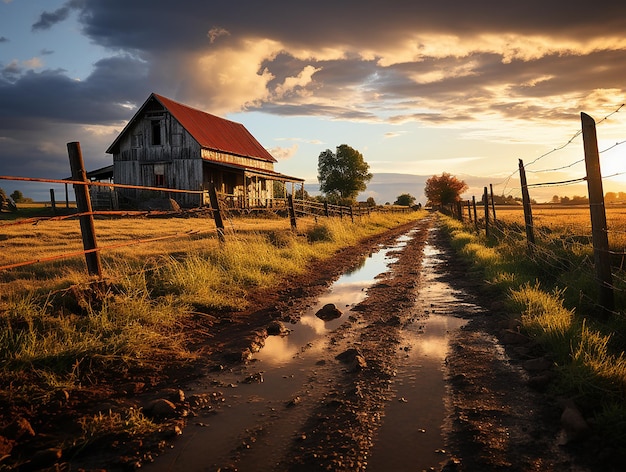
(469, 210)
(83, 203)
(486, 203)
(599, 230)
(326, 209)
(217, 214)
(475, 212)
(528, 212)
(292, 211)
(493, 204)
(53, 202)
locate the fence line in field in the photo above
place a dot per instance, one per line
(609, 276)
(296, 208)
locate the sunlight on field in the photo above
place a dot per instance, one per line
(574, 220)
(137, 243)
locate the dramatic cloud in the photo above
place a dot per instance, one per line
(49, 19)
(469, 66)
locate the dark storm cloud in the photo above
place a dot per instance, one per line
(154, 24)
(49, 19)
(52, 95)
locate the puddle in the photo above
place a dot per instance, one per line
(289, 367)
(252, 428)
(348, 291)
(411, 436)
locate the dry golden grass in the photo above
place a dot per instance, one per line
(127, 244)
(574, 220)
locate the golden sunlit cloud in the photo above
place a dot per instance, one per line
(230, 76)
(34, 63)
(281, 153)
(510, 47)
(301, 80)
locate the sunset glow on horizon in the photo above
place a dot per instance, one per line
(418, 88)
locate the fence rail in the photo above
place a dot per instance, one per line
(221, 207)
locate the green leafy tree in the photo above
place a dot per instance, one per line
(406, 199)
(342, 175)
(17, 196)
(444, 189)
(278, 189)
(301, 194)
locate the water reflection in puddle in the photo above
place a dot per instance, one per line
(348, 291)
(290, 365)
(411, 437)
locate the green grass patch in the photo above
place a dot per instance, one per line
(551, 290)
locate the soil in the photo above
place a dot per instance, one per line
(499, 415)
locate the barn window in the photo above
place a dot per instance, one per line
(156, 132)
(159, 175)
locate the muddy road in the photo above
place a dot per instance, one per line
(407, 374)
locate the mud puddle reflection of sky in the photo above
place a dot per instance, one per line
(289, 366)
(411, 436)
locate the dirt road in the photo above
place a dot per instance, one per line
(374, 391)
(411, 377)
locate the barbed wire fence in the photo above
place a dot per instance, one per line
(218, 210)
(544, 247)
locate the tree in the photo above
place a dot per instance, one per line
(370, 202)
(17, 196)
(344, 174)
(444, 189)
(406, 199)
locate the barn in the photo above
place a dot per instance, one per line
(170, 145)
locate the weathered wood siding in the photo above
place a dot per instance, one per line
(176, 157)
(156, 151)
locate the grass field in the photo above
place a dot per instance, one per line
(552, 295)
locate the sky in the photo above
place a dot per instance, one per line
(418, 87)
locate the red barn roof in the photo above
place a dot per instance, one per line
(211, 132)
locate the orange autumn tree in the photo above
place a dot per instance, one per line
(444, 189)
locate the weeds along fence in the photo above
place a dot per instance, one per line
(218, 210)
(607, 261)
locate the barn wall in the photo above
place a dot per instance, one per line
(176, 158)
(166, 155)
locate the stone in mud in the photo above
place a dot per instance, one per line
(348, 355)
(574, 424)
(329, 312)
(276, 328)
(538, 364)
(509, 336)
(355, 360)
(44, 459)
(160, 408)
